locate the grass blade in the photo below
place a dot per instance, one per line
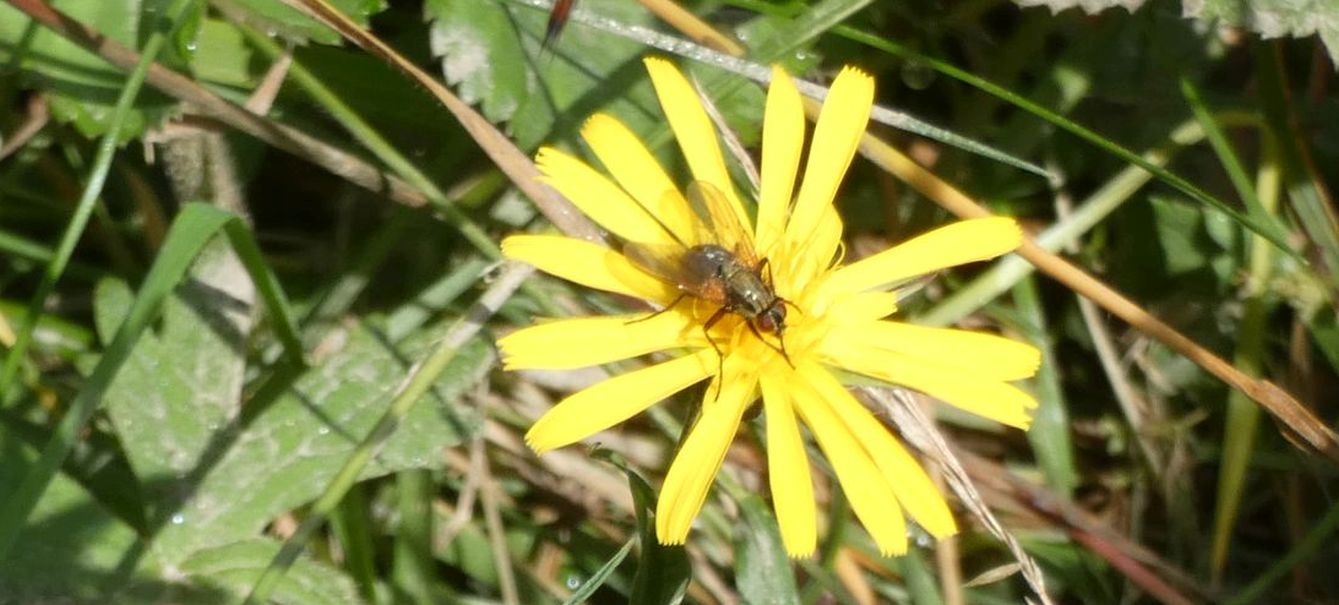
(192, 229)
(97, 177)
(1269, 230)
(598, 578)
(423, 376)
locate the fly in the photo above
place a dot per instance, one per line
(721, 267)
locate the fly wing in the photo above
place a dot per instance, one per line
(911, 286)
(666, 262)
(720, 223)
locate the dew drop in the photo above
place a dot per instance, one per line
(178, 519)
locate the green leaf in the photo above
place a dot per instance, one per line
(222, 56)
(285, 456)
(482, 43)
(762, 570)
(1186, 245)
(82, 86)
(71, 547)
(230, 569)
(1276, 18)
(279, 18)
(480, 48)
(1269, 18)
(189, 233)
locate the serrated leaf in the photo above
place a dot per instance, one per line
(277, 18)
(287, 454)
(1089, 6)
(1275, 18)
(1269, 18)
(490, 52)
(480, 49)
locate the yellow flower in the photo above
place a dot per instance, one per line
(835, 317)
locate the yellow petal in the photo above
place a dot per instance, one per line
(788, 470)
(862, 307)
(695, 467)
(955, 244)
(782, 144)
(587, 341)
(999, 401)
(588, 264)
(975, 354)
(841, 123)
(915, 491)
(599, 198)
(817, 251)
(638, 172)
(599, 407)
(693, 129)
(869, 492)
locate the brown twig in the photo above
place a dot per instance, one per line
(337, 161)
(1126, 555)
(1302, 427)
(489, 494)
(32, 124)
(516, 165)
(914, 426)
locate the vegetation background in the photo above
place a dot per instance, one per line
(248, 289)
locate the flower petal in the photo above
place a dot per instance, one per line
(638, 172)
(976, 354)
(693, 129)
(695, 467)
(999, 401)
(783, 142)
(915, 491)
(954, 244)
(788, 469)
(599, 198)
(841, 123)
(588, 264)
(587, 341)
(599, 407)
(862, 307)
(871, 495)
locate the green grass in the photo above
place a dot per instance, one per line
(232, 375)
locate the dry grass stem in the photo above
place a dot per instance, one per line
(510, 159)
(913, 425)
(1301, 426)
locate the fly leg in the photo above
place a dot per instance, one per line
(720, 357)
(779, 349)
(654, 314)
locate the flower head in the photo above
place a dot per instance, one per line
(835, 319)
